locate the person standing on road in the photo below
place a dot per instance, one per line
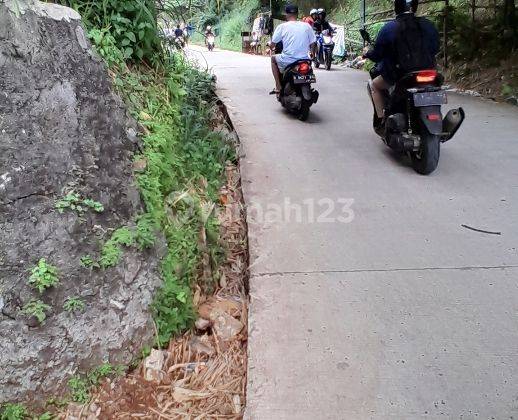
(298, 42)
(403, 45)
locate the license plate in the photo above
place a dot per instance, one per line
(430, 98)
(300, 79)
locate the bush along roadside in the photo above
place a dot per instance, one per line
(180, 170)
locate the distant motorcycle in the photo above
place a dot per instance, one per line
(325, 45)
(414, 122)
(297, 94)
(211, 42)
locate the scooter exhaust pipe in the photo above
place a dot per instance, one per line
(451, 123)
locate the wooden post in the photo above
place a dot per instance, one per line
(473, 34)
(445, 33)
(363, 16)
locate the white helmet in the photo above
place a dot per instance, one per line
(209, 27)
(313, 12)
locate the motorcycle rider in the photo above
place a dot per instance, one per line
(321, 24)
(178, 33)
(297, 39)
(403, 45)
(313, 16)
(208, 32)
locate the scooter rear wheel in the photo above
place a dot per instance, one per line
(426, 160)
(304, 110)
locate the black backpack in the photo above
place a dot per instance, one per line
(410, 50)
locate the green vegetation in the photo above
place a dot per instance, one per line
(13, 412)
(117, 26)
(74, 304)
(112, 249)
(239, 19)
(75, 202)
(43, 276)
(80, 386)
(37, 309)
(88, 262)
(19, 412)
(79, 390)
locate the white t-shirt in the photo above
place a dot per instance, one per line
(296, 37)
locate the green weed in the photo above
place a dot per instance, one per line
(43, 276)
(13, 412)
(75, 202)
(88, 262)
(79, 389)
(80, 386)
(111, 252)
(74, 304)
(125, 29)
(37, 309)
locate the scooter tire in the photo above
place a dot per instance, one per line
(329, 61)
(426, 160)
(304, 110)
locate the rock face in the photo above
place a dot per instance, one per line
(62, 129)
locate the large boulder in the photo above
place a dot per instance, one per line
(62, 129)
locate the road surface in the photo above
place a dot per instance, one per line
(386, 308)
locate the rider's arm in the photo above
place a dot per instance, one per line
(433, 38)
(380, 49)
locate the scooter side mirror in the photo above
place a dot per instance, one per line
(365, 36)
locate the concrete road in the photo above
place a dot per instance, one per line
(386, 308)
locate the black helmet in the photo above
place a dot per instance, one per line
(405, 6)
(291, 9)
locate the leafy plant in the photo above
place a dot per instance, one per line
(74, 201)
(106, 46)
(104, 371)
(43, 276)
(13, 412)
(74, 304)
(128, 26)
(88, 262)
(79, 389)
(37, 309)
(112, 249)
(80, 385)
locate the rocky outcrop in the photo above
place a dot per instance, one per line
(62, 129)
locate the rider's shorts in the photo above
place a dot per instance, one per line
(282, 63)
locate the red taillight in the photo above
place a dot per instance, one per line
(433, 117)
(304, 68)
(426, 76)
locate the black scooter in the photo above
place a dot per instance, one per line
(414, 124)
(297, 94)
